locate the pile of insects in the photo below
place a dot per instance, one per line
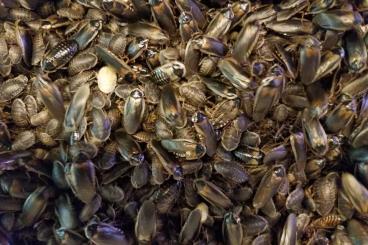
(183, 122)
